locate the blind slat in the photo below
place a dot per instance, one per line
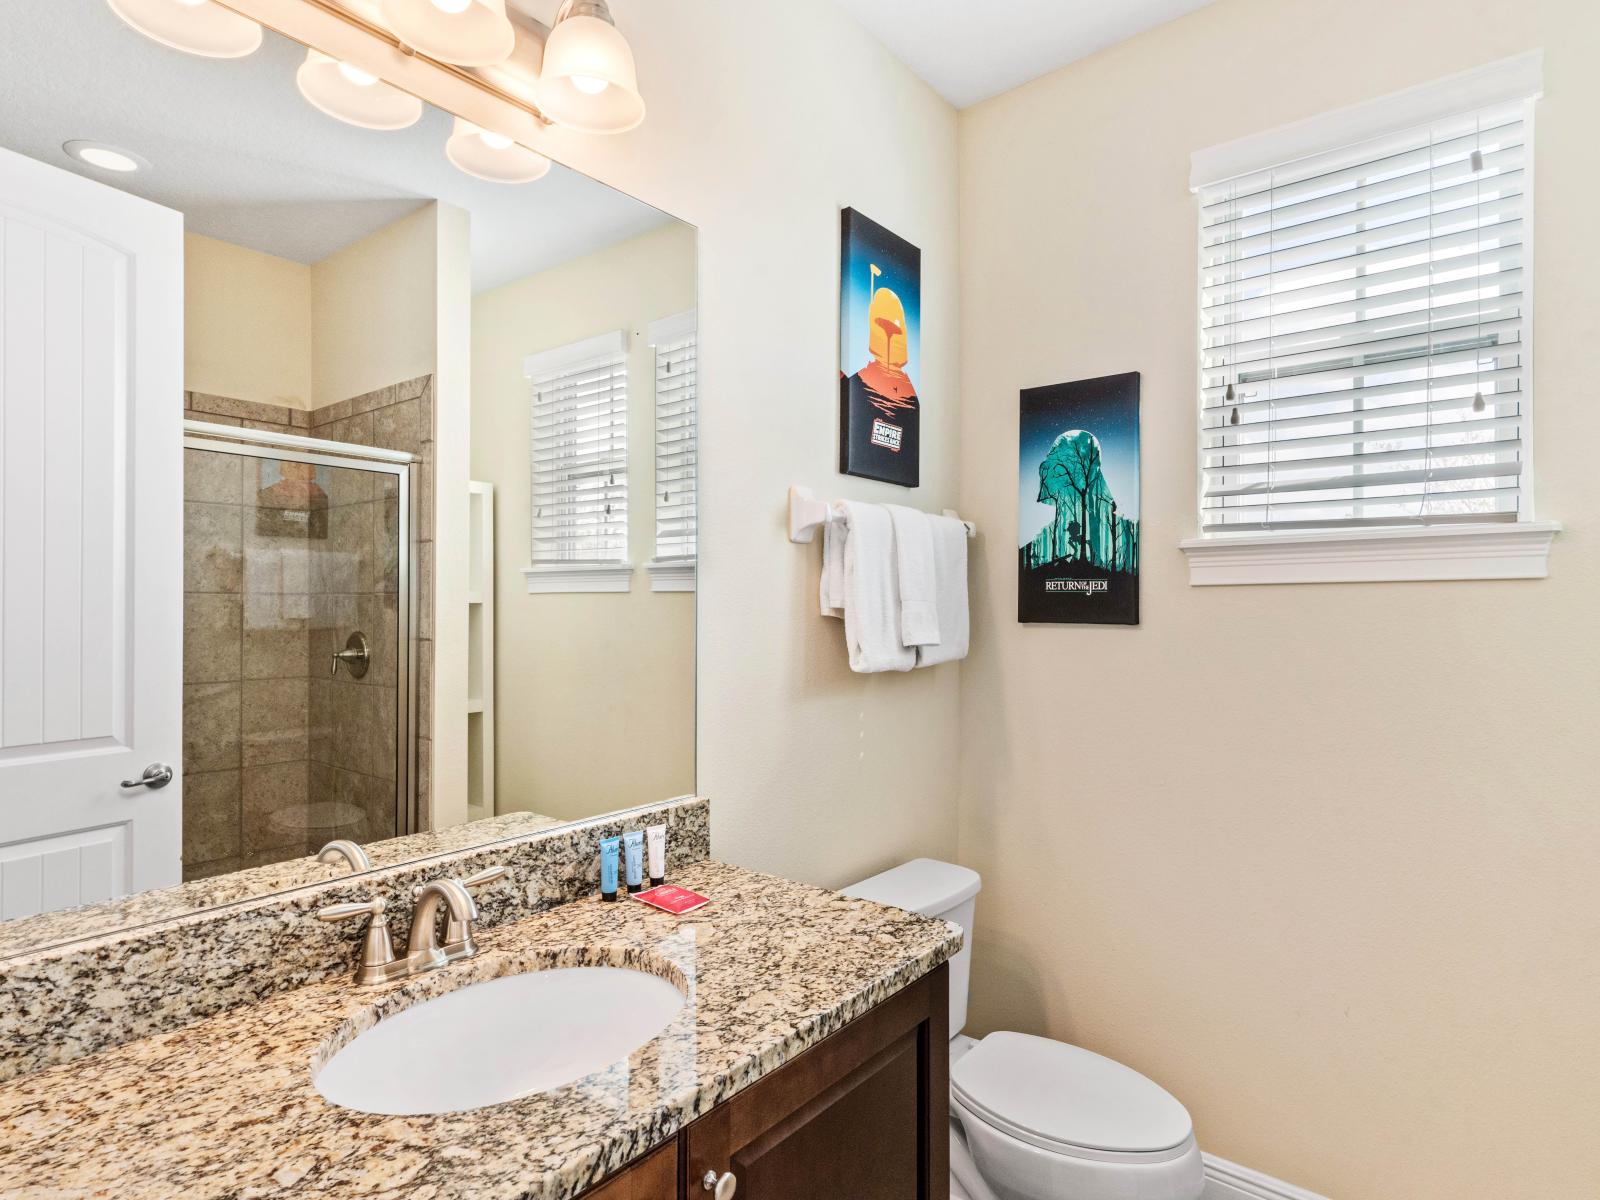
(579, 450)
(1363, 321)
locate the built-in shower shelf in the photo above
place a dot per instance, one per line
(480, 647)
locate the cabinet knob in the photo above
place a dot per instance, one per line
(722, 1187)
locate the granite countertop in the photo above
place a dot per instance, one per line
(226, 1107)
(164, 904)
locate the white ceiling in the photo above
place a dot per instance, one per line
(969, 50)
(234, 147)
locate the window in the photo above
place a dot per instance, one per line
(677, 453)
(1365, 321)
(580, 466)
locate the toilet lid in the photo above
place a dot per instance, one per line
(1054, 1095)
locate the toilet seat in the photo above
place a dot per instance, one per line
(1070, 1101)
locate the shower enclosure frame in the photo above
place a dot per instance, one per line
(254, 443)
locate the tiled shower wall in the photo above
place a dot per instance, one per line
(278, 755)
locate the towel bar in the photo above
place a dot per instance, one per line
(807, 514)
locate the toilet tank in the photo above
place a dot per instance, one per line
(933, 889)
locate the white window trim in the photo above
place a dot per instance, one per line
(1515, 550)
(675, 574)
(545, 578)
(671, 574)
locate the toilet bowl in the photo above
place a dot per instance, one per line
(1032, 1118)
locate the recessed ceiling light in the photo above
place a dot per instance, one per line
(107, 158)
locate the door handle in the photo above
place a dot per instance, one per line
(722, 1187)
(156, 775)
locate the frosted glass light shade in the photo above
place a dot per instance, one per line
(203, 28)
(354, 96)
(493, 157)
(588, 81)
(479, 34)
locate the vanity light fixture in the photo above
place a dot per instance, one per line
(468, 33)
(353, 95)
(588, 81)
(493, 156)
(107, 158)
(194, 26)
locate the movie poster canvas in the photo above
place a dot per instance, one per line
(1078, 505)
(880, 303)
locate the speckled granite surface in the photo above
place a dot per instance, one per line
(62, 1003)
(227, 1107)
(166, 904)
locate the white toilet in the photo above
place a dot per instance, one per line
(1032, 1118)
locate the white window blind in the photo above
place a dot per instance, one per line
(677, 447)
(580, 452)
(1365, 333)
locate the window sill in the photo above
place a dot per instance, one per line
(578, 577)
(1519, 550)
(671, 574)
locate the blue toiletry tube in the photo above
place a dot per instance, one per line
(633, 859)
(610, 849)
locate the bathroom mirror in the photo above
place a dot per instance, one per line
(437, 486)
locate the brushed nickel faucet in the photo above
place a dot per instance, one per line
(346, 851)
(424, 952)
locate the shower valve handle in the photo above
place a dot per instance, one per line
(356, 656)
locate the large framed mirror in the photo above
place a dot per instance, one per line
(353, 471)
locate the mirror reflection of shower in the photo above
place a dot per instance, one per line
(297, 643)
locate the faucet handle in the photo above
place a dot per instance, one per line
(487, 875)
(378, 963)
(343, 912)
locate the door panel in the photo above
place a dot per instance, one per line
(91, 353)
(864, 1113)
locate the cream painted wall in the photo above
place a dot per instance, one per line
(373, 309)
(247, 324)
(764, 120)
(1321, 859)
(574, 670)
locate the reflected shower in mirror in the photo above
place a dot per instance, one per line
(438, 487)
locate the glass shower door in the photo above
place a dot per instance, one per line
(296, 704)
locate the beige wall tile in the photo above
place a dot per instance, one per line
(274, 720)
(211, 729)
(275, 797)
(211, 476)
(211, 637)
(395, 427)
(212, 546)
(211, 817)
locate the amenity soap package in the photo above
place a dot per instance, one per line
(675, 900)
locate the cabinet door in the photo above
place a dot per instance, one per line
(654, 1177)
(863, 1114)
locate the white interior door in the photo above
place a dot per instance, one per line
(91, 536)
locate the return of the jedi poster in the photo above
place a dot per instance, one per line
(1078, 503)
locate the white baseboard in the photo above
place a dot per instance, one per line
(1230, 1181)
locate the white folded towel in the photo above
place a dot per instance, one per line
(949, 538)
(870, 592)
(834, 535)
(913, 555)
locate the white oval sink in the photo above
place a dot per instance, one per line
(499, 1040)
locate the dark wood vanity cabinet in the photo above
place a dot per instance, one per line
(862, 1115)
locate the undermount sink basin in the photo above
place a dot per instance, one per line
(499, 1040)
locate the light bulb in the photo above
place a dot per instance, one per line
(589, 85)
(495, 141)
(356, 75)
(108, 160)
(451, 6)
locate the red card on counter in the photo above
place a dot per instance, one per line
(675, 900)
